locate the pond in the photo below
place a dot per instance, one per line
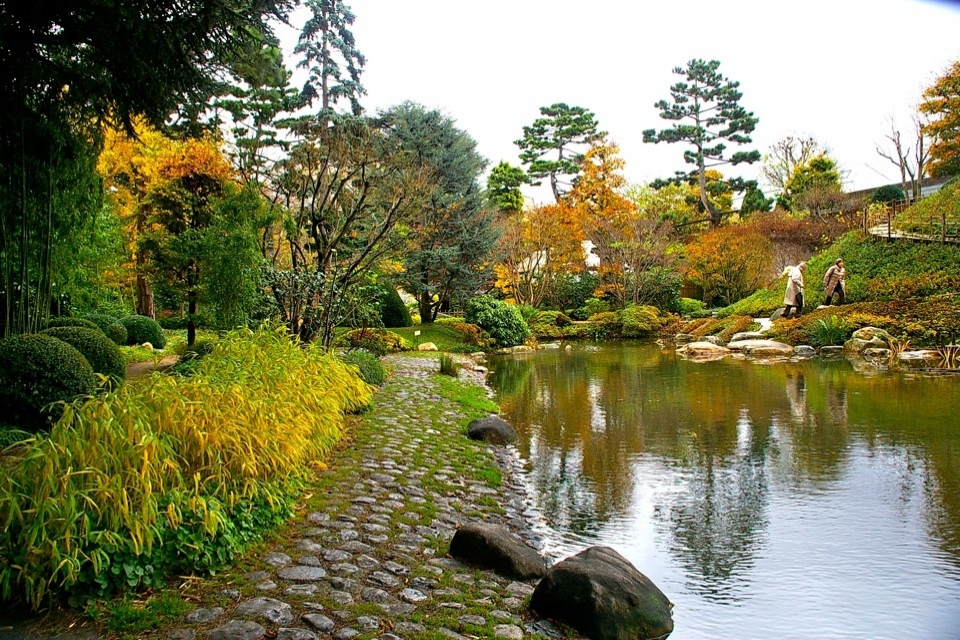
(779, 500)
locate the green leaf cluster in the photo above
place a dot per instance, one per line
(502, 321)
(175, 473)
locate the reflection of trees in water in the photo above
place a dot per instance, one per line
(718, 524)
(590, 416)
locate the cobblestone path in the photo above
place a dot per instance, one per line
(365, 557)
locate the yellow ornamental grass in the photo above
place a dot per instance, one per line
(117, 472)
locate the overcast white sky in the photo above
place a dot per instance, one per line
(833, 69)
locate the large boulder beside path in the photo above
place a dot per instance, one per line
(601, 595)
(492, 430)
(492, 547)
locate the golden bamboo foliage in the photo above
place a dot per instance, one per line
(118, 470)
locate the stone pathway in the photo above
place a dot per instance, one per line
(365, 557)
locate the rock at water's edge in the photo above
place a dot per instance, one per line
(600, 594)
(492, 547)
(492, 430)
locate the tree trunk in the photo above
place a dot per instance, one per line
(425, 302)
(711, 210)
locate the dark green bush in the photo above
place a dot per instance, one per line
(71, 321)
(35, 371)
(117, 332)
(142, 329)
(888, 193)
(10, 436)
(102, 320)
(99, 350)
(393, 312)
(371, 369)
(502, 321)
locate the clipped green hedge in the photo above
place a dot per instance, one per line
(70, 321)
(141, 329)
(37, 372)
(137, 454)
(102, 320)
(393, 312)
(99, 350)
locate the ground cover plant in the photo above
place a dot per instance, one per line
(176, 473)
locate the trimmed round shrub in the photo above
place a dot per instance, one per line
(99, 350)
(393, 312)
(70, 321)
(117, 332)
(102, 320)
(502, 321)
(142, 329)
(370, 367)
(38, 370)
(640, 320)
(888, 193)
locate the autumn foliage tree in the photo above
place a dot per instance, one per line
(941, 104)
(631, 241)
(729, 262)
(536, 248)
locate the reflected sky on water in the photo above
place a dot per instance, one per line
(786, 500)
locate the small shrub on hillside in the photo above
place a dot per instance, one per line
(141, 329)
(640, 321)
(117, 332)
(449, 320)
(689, 306)
(502, 321)
(605, 325)
(829, 331)
(449, 366)
(70, 321)
(858, 320)
(100, 351)
(379, 342)
(593, 306)
(473, 335)
(369, 367)
(550, 325)
(888, 193)
(37, 372)
(723, 328)
(393, 313)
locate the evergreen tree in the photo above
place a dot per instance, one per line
(553, 145)
(707, 110)
(331, 56)
(503, 188)
(454, 235)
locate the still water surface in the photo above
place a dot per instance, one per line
(788, 500)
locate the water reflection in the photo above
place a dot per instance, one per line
(744, 483)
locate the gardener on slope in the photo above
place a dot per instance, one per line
(793, 298)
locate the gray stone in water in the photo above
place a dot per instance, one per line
(236, 630)
(600, 594)
(270, 609)
(831, 351)
(492, 430)
(804, 351)
(683, 338)
(748, 335)
(717, 340)
(494, 547)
